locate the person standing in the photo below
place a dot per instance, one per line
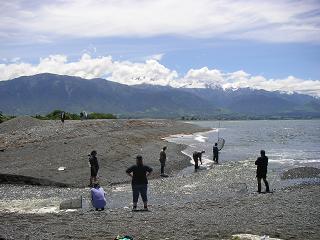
(94, 167)
(163, 159)
(215, 151)
(62, 116)
(139, 174)
(197, 156)
(262, 168)
(98, 197)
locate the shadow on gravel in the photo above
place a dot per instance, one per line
(20, 179)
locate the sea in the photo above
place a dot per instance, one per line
(287, 143)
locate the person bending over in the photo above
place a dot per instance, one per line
(262, 168)
(197, 156)
(139, 174)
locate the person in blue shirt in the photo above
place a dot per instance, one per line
(139, 174)
(98, 197)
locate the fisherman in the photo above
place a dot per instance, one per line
(62, 116)
(197, 156)
(163, 159)
(215, 153)
(94, 166)
(139, 174)
(262, 167)
(98, 197)
(81, 116)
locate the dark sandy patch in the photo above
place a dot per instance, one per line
(301, 172)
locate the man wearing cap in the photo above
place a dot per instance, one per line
(139, 174)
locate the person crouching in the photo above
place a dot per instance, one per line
(98, 197)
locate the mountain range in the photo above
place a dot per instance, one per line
(43, 93)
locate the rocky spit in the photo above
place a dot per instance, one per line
(215, 203)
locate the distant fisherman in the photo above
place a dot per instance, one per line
(215, 153)
(139, 174)
(262, 168)
(163, 159)
(81, 116)
(62, 116)
(98, 197)
(94, 166)
(197, 156)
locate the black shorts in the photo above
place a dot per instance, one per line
(262, 175)
(94, 172)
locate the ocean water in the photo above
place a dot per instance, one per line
(287, 143)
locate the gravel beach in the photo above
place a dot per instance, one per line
(36, 148)
(213, 203)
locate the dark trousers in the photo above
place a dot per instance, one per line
(216, 158)
(162, 168)
(137, 190)
(265, 182)
(196, 165)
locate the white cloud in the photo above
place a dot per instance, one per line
(271, 21)
(152, 72)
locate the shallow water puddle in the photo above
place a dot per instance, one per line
(252, 237)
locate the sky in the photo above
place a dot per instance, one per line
(271, 45)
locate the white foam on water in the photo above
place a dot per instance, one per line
(294, 161)
(200, 138)
(283, 161)
(309, 161)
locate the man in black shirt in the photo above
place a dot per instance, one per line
(262, 168)
(197, 156)
(94, 167)
(139, 174)
(62, 117)
(163, 159)
(215, 153)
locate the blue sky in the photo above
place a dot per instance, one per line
(187, 43)
(273, 60)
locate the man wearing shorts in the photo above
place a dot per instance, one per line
(139, 174)
(94, 167)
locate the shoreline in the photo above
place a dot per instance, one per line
(35, 149)
(188, 207)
